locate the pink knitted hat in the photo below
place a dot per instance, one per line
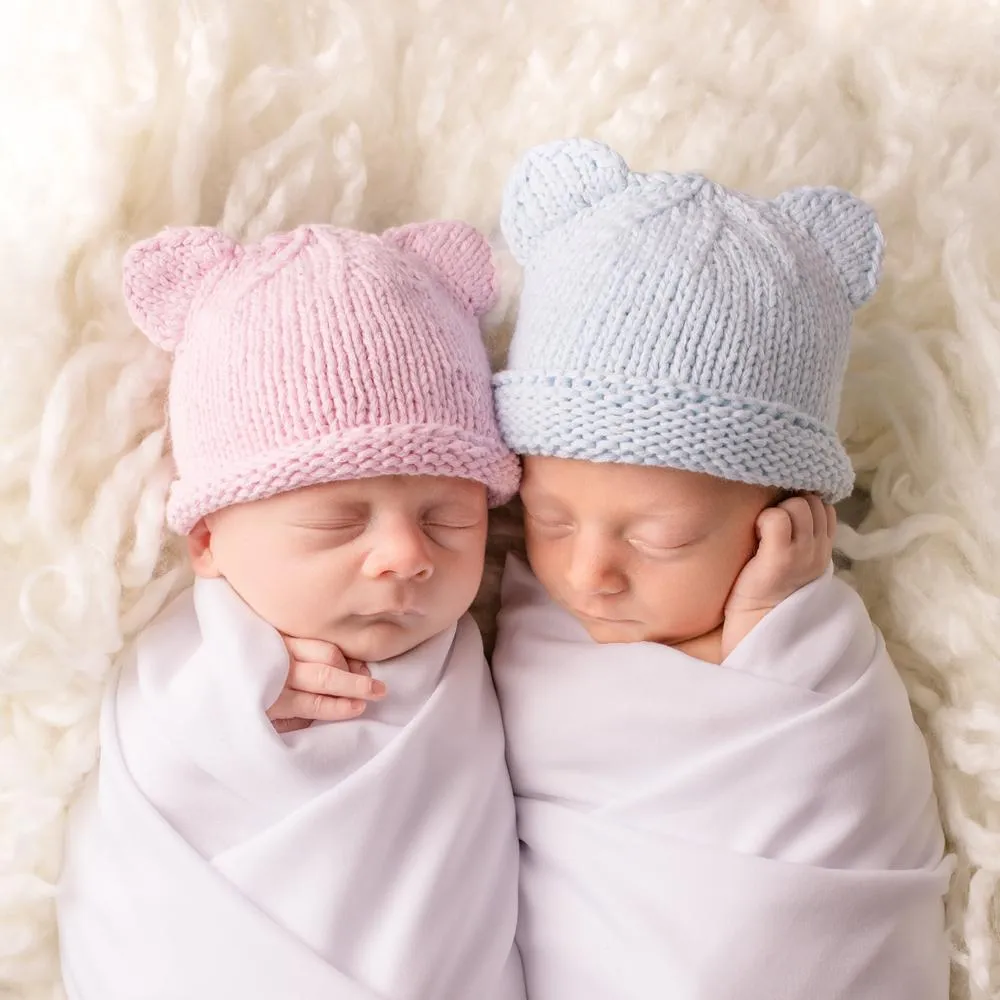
(318, 355)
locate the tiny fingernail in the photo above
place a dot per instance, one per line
(377, 688)
(364, 670)
(357, 706)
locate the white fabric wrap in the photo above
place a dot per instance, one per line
(763, 830)
(213, 858)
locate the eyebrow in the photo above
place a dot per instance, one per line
(542, 498)
(662, 513)
(687, 520)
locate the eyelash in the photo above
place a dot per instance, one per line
(546, 523)
(361, 525)
(329, 526)
(442, 526)
(659, 550)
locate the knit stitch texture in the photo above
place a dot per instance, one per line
(669, 321)
(320, 354)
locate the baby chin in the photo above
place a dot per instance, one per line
(373, 638)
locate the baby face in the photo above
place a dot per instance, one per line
(636, 553)
(375, 566)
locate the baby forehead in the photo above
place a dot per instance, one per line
(377, 490)
(627, 488)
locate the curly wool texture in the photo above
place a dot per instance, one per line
(256, 115)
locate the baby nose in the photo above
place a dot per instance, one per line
(594, 572)
(402, 551)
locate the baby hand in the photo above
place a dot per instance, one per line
(322, 685)
(795, 545)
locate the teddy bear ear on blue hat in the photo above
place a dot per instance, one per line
(554, 182)
(846, 228)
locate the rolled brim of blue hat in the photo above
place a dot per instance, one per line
(631, 421)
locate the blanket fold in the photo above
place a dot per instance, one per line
(210, 857)
(765, 828)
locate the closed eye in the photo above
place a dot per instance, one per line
(664, 546)
(550, 523)
(319, 535)
(331, 525)
(451, 517)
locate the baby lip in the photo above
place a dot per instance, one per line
(598, 618)
(586, 614)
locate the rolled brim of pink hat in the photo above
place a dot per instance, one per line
(362, 453)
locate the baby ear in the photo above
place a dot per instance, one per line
(161, 275)
(847, 229)
(460, 255)
(552, 183)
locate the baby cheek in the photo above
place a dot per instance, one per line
(313, 588)
(685, 598)
(717, 575)
(459, 574)
(547, 559)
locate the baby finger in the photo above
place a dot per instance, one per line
(322, 679)
(818, 514)
(799, 511)
(315, 651)
(323, 708)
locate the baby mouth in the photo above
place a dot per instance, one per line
(393, 614)
(599, 618)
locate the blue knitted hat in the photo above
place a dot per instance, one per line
(668, 321)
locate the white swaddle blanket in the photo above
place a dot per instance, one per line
(212, 858)
(761, 830)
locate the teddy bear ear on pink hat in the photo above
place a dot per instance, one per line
(318, 355)
(162, 275)
(461, 256)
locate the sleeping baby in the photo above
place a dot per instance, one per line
(721, 791)
(336, 451)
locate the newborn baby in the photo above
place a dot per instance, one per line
(336, 451)
(721, 791)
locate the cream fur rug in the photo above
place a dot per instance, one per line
(120, 117)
